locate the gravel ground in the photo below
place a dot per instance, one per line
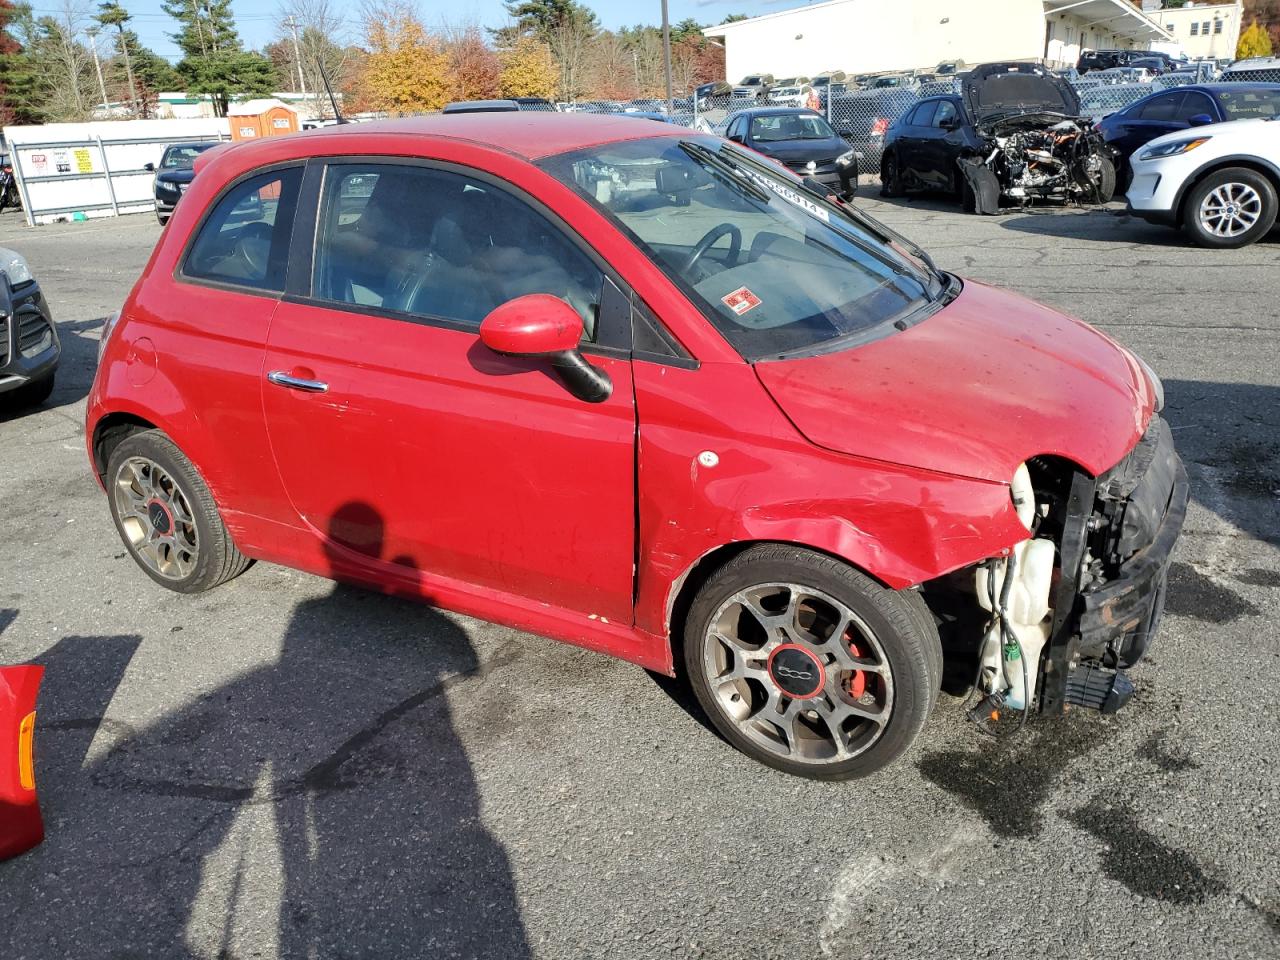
(286, 768)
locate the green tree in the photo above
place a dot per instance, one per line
(225, 75)
(735, 17)
(204, 26)
(686, 29)
(14, 69)
(1254, 42)
(214, 63)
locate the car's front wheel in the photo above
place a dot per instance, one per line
(1230, 208)
(808, 666)
(166, 516)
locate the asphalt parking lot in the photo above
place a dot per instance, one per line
(284, 767)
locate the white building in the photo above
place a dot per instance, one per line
(1204, 29)
(865, 36)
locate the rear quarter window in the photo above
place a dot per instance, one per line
(244, 240)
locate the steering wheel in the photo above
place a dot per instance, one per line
(709, 240)
(254, 246)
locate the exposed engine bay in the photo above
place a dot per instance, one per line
(1034, 143)
(1060, 616)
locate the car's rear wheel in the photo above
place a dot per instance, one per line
(166, 516)
(890, 177)
(1230, 208)
(808, 666)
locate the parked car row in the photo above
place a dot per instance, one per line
(1202, 157)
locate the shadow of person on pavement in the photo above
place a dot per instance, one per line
(312, 806)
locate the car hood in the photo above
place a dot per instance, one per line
(1250, 130)
(998, 89)
(985, 383)
(792, 151)
(180, 175)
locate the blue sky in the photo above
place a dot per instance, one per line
(258, 20)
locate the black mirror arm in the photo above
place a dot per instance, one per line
(582, 379)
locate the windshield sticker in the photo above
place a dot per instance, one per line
(791, 196)
(740, 301)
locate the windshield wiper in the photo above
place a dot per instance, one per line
(730, 173)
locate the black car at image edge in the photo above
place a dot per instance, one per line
(29, 345)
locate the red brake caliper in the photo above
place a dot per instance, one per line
(857, 682)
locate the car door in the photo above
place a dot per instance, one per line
(1150, 119)
(405, 443)
(913, 149)
(942, 145)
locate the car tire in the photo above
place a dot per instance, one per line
(167, 517)
(1254, 198)
(31, 394)
(1105, 187)
(890, 177)
(735, 662)
(162, 219)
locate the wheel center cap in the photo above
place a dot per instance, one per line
(159, 517)
(797, 672)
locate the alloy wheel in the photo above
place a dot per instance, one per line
(798, 673)
(1230, 209)
(155, 516)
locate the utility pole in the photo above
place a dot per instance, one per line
(292, 24)
(97, 64)
(666, 57)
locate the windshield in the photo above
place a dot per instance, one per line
(183, 156)
(790, 126)
(1250, 103)
(775, 268)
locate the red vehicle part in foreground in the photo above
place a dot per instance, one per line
(20, 825)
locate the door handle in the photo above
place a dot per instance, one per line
(282, 379)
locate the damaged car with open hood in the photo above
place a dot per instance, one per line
(1012, 135)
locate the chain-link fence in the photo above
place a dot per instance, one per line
(863, 117)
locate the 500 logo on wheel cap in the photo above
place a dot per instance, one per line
(797, 672)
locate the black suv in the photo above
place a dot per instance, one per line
(175, 173)
(29, 346)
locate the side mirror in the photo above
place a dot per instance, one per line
(540, 325)
(1200, 120)
(150, 167)
(736, 138)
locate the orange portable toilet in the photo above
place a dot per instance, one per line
(255, 119)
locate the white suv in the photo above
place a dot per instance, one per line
(1219, 182)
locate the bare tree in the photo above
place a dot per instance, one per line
(570, 42)
(323, 41)
(62, 74)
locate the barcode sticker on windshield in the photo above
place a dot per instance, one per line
(740, 301)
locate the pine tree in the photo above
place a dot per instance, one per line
(214, 63)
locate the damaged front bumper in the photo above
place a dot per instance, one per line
(1118, 541)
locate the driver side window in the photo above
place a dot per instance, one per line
(438, 245)
(244, 241)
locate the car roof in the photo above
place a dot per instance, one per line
(528, 134)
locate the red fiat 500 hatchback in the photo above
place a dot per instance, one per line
(636, 388)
